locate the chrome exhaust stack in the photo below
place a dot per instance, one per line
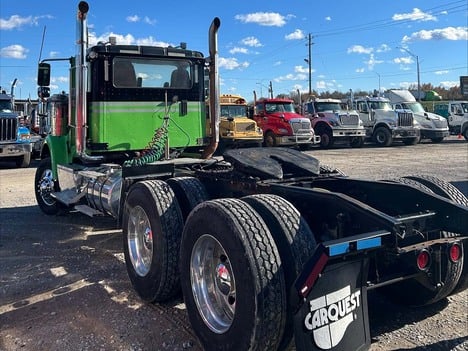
(214, 89)
(79, 99)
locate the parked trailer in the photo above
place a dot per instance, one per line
(268, 246)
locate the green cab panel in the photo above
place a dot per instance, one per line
(130, 125)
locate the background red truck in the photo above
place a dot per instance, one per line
(281, 124)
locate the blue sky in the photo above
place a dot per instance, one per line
(356, 45)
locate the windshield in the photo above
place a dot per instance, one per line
(279, 107)
(416, 107)
(464, 107)
(380, 105)
(233, 111)
(5, 106)
(147, 73)
(327, 106)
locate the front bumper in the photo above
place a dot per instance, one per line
(400, 133)
(434, 134)
(298, 139)
(340, 133)
(12, 150)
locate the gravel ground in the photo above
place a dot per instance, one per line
(63, 283)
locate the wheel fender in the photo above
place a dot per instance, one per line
(56, 148)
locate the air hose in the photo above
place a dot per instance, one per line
(153, 151)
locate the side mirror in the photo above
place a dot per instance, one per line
(43, 74)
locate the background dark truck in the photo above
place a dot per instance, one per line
(15, 144)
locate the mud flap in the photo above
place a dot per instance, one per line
(334, 315)
(331, 306)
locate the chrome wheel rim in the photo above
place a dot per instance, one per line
(213, 284)
(46, 187)
(140, 241)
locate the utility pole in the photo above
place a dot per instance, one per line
(271, 90)
(309, 61)
(417, 69)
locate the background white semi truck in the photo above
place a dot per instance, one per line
(432, 126)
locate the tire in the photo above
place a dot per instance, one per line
(465, 133)
(44, 185)
(411, 292)
(270, 139)
(326, 138)
(232, 278)
(449, 191)
(357, 142)
(152, 227)
(24, 161)
(383, 137)
(189, 192)
(411, 141)
(294, 240)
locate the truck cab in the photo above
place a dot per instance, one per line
(383, 124)
(282, 125)
(236, 129)
(333, 124)
(15, 138)
(456, 113)
(432, 126)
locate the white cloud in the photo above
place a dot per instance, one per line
(126, 39)
(328, 18)
(360, 70)
(150, 21)
(383, 48)
(15, 21)
(296, 35)
(14, 52)
(449, 84)
(270, 19)
(133, 18)
(238, 50)
(359, 49)
(372, 62)
(290, 76)
(416, 15)
(301, 69)
(251, 41)
(231, 63)
(442, 72)
(403, 60)
(449, 33)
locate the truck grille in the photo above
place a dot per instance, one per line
(246, 126)
(301, 127)
(405, 119)
(440, 123)
(349, 120)
(8, 128)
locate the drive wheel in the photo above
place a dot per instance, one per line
(382, 137)
(414, 292)
(44, 186)
(294, 240)
(189, 192)
(449, 191)
(270, 139)
(152, 226)
(326, 138)
(357, 142)
(232, 278)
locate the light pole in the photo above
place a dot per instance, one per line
(417, 69)
(379, 81)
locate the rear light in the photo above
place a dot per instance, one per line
(423, 260)
(455, 252)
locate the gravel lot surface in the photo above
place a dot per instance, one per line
(64, 286)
